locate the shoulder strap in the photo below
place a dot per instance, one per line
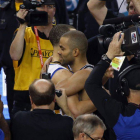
(87, 66)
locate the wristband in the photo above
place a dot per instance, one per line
(21, 21)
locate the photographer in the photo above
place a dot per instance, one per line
(29, 50)
(42, 123)
(124, 119)
(98, 6)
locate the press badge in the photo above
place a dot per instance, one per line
(117, 62)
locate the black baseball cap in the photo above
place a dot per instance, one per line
(133, 78)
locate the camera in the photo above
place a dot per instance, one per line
(58, 93)
(46, 76)
(131, 30)
(34, 17)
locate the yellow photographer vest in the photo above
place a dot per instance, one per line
(29, 68)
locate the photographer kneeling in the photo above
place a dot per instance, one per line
(124, 119)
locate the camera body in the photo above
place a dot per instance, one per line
(34, 17)
(131, 42)
(58, 93)
(46, 76)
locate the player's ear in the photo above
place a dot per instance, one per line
(76, 52)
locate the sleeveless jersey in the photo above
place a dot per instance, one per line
(53, 68)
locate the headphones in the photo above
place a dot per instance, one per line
(123, 86)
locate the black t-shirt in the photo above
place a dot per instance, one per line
(41, 124)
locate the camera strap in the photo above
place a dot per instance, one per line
(39, 47)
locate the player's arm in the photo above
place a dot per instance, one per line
(80, 107)
(76, 107)
(61, 75)
(17, 46)
(98, 9)
(62, 102)
(75, 83)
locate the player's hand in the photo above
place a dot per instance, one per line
(46, 65)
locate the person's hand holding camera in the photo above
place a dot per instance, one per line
(21, 14)
(62, 102)
(114, 48)
(46, 66)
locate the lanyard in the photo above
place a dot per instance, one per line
(39, 47)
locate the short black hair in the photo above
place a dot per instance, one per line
(57, 31)
(77, 39)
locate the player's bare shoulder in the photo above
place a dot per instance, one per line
(84, 72)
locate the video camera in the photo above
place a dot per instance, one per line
(34, 17)
(129, 26)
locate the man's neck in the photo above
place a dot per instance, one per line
(55, 54)
(51, 106)
(134, 98)
(45, 29)
(78, 64)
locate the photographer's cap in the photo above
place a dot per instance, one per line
(133, 78)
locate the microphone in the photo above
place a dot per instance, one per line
(134, 18)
